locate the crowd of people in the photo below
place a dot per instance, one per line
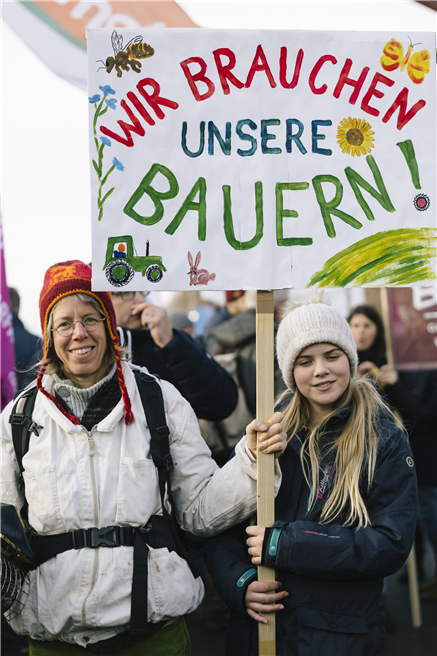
(119, 541)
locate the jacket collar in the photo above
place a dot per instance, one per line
(107, 424)
(334, 424)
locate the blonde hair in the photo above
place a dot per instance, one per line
(356, 449)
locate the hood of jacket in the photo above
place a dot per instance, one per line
(237, 331)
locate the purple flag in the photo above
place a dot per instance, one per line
(8, 375)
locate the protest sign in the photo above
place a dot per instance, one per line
(261, 159)
(413, 327)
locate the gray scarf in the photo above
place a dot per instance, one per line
(77, 398)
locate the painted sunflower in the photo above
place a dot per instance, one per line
(354, 136)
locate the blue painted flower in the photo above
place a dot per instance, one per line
(105, 140)
(118, 165)
(94, 99)
(106, 89)
(111, 102)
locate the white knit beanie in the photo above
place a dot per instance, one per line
(312, 323)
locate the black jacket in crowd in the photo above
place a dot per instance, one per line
(334, 575)
(28, 350)
(415, 397)
(210, 390)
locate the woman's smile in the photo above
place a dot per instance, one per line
(325, 385)
(82, 351)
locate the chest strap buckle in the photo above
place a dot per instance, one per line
(109, 536)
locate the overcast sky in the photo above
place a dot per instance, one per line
(45, 171)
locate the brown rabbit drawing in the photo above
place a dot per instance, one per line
(198, 276)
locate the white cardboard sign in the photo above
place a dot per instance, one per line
(249, 159)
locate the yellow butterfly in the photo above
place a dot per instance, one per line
(417, 65)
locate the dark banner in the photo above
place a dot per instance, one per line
(413, 321)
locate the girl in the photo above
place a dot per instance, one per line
(346, 509)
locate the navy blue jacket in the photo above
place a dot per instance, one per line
(334, 575)
(28, 350)
(208, 387)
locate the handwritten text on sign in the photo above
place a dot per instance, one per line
(261, 159)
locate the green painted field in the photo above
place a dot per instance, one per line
(396, 257)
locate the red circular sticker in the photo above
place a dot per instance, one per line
(421, 202)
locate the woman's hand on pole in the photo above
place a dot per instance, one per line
(260, 598)
(272, 437)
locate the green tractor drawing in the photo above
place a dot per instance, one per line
(121, 262)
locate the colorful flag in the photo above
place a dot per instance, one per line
(56, 29)
(8, 375)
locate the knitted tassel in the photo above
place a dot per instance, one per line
(129, 417)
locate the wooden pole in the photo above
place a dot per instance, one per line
(386, 322)
(416, 615)
(265, 462)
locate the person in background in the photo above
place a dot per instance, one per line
(368, 331)
(28, 347)
(181, 321)
(219, 314)
(345, 512)
(174, 356)
(413, 394)
(236, 304)
(238, 335)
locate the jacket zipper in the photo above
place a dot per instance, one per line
(310, 498)
(96, 520)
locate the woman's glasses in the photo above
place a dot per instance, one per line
(66, 328)
(128, 296)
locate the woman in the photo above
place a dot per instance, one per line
(91, 467)
(346, 509)
(368, 331)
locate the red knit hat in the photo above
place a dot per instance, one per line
(74, 277)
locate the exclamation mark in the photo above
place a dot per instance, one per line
(407, 150)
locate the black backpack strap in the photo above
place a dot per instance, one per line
(22, 426)
(49, 546)
(159, 531)
(153, 404)
(139, 627)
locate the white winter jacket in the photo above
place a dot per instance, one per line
(79, 479)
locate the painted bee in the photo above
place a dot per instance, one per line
(125, 57)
